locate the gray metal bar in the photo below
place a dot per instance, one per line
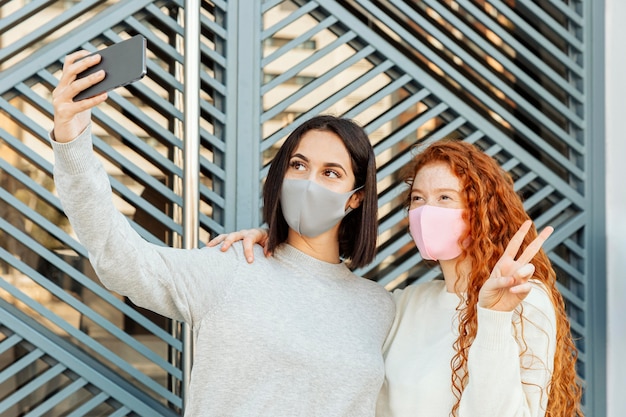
(105, 295)
(568, 10)
(464, 108)
(147, 381)
(455, 73)
(51, 52)
(31, 386)
(387, 90)
(73, 358)
(313, 85)
(24, 12)
(397, 110)
(292, 44)
(595, 190)
(191, 155)
(522, 50)
(146, 150)
(245, 114)
(87, 312)
(409, 128)
(520, 75)
(9, 343)
(292, 17)
(544, 17)
(82, 308)
(58, 397)
(29, 38)
(89, 405)
(305, 63)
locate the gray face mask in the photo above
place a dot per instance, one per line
(311, 209)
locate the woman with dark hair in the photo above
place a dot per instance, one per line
(492, 338)
(357, 232)
(297, 334)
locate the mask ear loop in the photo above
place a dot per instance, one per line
(349, 209)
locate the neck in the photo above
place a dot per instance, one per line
(324, 247)
(455, 282)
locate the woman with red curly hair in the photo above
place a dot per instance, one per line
(492, 338)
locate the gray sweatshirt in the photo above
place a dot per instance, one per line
(287, 335)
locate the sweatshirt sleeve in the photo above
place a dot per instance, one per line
(511, 360)
(177, 283)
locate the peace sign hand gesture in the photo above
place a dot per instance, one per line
(508, 283)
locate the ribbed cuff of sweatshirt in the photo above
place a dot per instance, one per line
(494, 328)
(75, 156)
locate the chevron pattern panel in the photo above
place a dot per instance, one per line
(139, 138)
(511, 76)
(507, 76)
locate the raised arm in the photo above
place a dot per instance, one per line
(511, 360)
(171, 282)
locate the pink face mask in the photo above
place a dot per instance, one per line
(436, 231)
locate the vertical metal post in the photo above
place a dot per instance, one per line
(595, 235)
(247, 89)
(191, 155)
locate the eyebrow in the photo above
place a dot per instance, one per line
(438, 190)
(326, 164)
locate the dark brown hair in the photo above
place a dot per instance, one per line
(358, 230)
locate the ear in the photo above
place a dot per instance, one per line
(355, 200)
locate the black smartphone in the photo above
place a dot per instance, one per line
(123, 63)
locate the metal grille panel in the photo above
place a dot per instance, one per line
(509, 76)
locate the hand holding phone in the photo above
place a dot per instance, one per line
(123, 64)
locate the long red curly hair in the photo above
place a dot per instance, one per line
(494, 213)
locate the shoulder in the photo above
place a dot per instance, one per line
(375, 291)
(233, 259)
(235, 252)
(418, 291)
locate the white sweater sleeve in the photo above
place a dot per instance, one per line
(510, 362)
(173, 282)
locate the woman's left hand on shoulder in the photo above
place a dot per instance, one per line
(249, 237)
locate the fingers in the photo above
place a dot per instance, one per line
(533, 248)
(520, 283)
(516, 241)
(248, 248)
(70, 70)
(227, 240)
(250, 237)
(216, 240)
(75, 64)
(71, 118)
(524, 273)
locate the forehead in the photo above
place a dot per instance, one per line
(323, 145)
(436, 175)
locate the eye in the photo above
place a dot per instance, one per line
(297, 165)
(331, 173)
(416, 200)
